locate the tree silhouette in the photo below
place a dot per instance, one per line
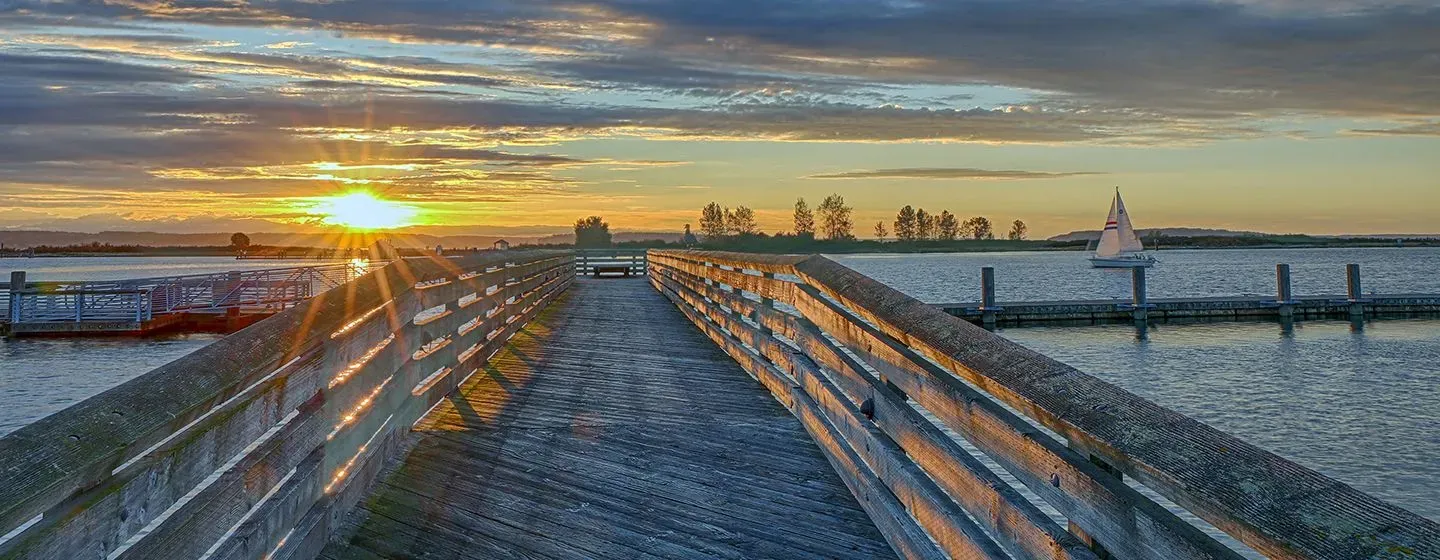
(804, 219)
(978, 228)
(1018, 229)
(592, 232)
(712, 222)
(835, 220)
(948, 227)
(880, 233)
(240, 241)
(905, 224)
(741, 221)
(924, 225)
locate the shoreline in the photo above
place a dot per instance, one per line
(909, 249)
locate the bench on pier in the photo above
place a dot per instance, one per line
(625, 262)
(599, 269)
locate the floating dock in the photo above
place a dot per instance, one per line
(1196, 310)
(219, 302)
(1283, 306)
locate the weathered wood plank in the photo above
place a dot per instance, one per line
(1124, 520)
(1271, 504)
(1278, 507)
(902, 531)
(192, 416)
(609, 406)
(1025, 530)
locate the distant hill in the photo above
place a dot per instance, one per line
(1090, 235)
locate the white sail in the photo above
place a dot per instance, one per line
(1129, 241)
(1110, 244)
(1119, 246)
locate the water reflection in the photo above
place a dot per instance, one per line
(1358, 402)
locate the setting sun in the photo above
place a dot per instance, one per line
(363, 210)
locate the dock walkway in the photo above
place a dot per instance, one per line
(611, 428)
(728, 405)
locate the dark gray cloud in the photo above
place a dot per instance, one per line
(1419, 129)
(1193, 55)
(949, 173)
(65, 69)
(1182, 56)
(690, 78)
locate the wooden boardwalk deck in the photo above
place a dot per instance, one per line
(610, 428)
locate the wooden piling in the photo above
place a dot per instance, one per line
(1137, 294)
(17, 284)
(1353, 293)
(1283, 296)
(987, 296)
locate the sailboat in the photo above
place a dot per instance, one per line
(1119, 246)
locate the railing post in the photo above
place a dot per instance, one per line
(987, 297)
(17, 285)
(738, 293)
(79, 307)
(1352, 291)
(1089, 540)
(1282, 291)
(1138, 295)
(768, 303)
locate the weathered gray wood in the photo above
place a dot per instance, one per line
(222, 504)
(93, 521)
(205, 414)
(1130, 524)
(1274, 505)
(1025, 530)
(902, 530)
(608, 428)
(940, 517)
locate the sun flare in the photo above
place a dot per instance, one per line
(363, 210)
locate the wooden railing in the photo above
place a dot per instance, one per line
(877, 378)
(593, 262)
(256, 445)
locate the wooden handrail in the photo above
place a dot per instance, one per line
(937, 361)
(247, 447)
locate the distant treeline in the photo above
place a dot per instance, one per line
(251, 251)
(787, 243)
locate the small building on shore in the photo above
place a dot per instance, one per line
(500, 245)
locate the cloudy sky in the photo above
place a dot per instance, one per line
(1319, 116)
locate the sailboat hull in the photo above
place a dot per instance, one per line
(1122, 262)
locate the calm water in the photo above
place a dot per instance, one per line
(41, 376)
(1039, 276)
(1360, 405)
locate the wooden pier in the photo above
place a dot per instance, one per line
(603, 431)
(1284, 306)
(726, 405)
